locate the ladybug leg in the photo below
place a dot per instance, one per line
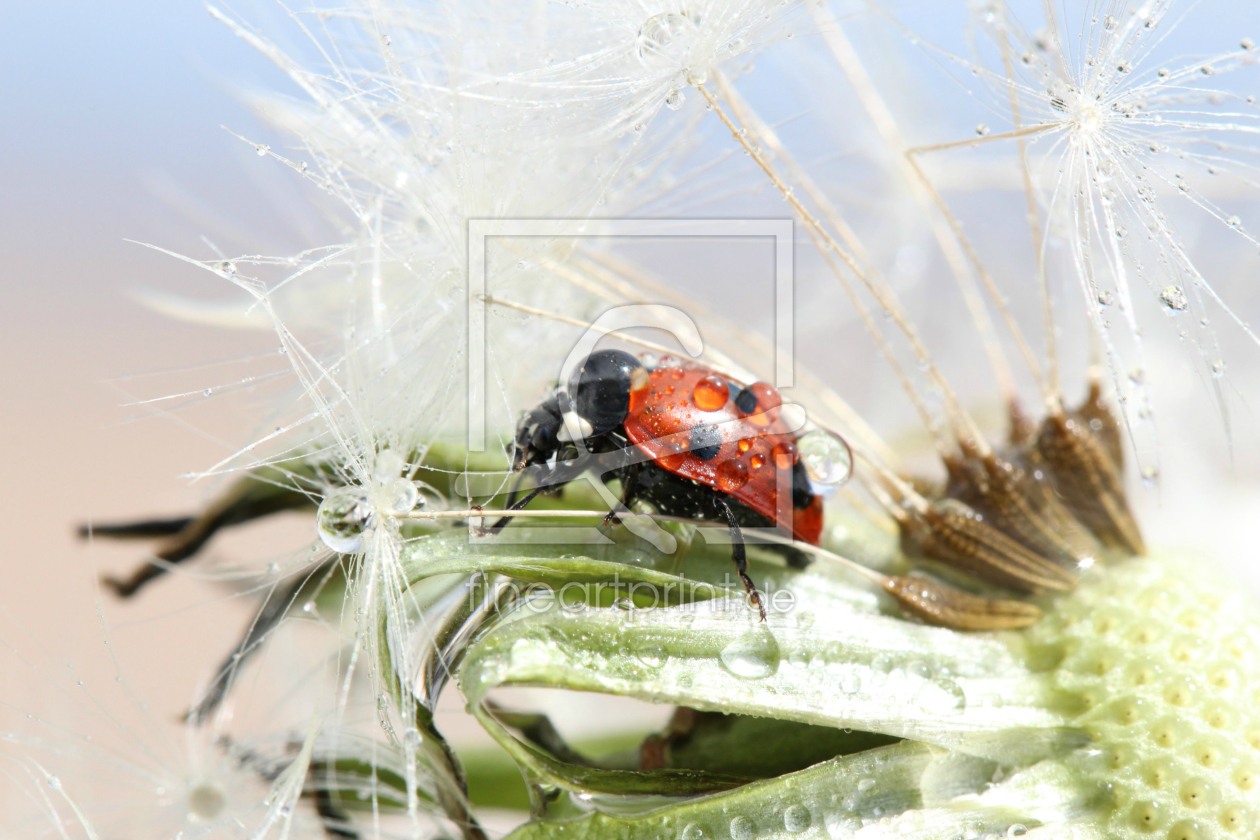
(558, 477)
(529, 497)
(739, 554)
(629, 484)
(516, 489)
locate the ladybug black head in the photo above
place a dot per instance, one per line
(600, 392)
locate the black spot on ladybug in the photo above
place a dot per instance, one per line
(802, 490)
(745, 401)
(706, 440)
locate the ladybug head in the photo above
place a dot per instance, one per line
(596, 400)
(601, 391)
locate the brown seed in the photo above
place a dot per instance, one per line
(943, 605)
(1086, 475)
(1011, 499)
(1097, 415)
(952, 533)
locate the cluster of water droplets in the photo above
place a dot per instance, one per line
(347, 513)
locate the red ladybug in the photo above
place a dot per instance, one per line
(686, 439)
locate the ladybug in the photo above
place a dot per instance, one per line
(687, 440)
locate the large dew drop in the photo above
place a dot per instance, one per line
(752, 656)
(742, 828)
(205, 802)
(796, 819)
(827, 458)
(341, 519)
(664, 41)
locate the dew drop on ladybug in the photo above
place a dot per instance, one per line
(784, 454)
(744, 444)
(732, 475)
(757, 462)
(710, 393)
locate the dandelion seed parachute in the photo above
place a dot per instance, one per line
(415, 129)
(1133, 150)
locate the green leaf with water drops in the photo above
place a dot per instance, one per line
(869, 673)
(868, 790)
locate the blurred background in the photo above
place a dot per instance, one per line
(112, 124)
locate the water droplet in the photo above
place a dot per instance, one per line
(674, 100)
(1124, 66)
(696, 78)
(732, 475)
(827, 458)
(412, 738)
(1218, 368)
(1174, 298)
(1121, 231)
(851, 683)
(262, 150)
(1234, 222)
(1016, 830)
(1106, 298)
(665, 40)
(651, 656)
(1110, 23)
(341, 518)
(796, 819)
(982, 130)
(710, 393)
(841, 826)
(693, 832)
(757, 461)
(785, 455)
(386, 40)
(54, 782)
(941, 697)
(742, 828)
(1150, 475)
(206, 801)
(399, 495)
(753, 656)
(1247, 44)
